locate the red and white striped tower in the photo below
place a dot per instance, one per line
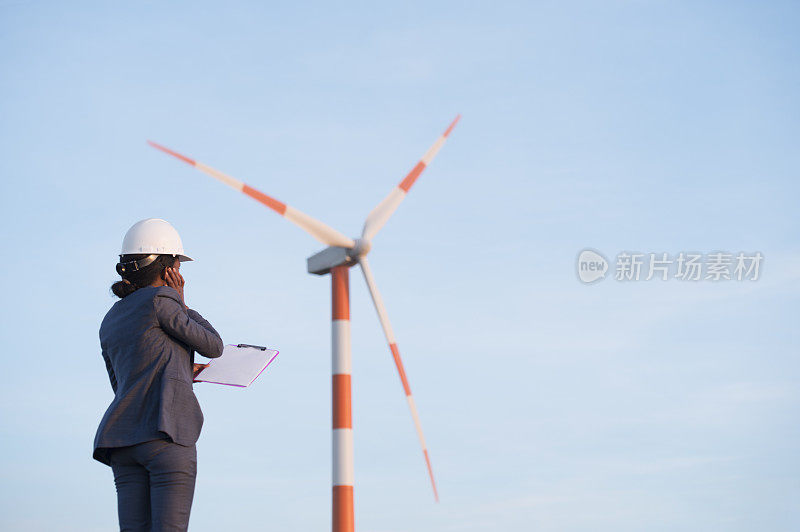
(343, 514)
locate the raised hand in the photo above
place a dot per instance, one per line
(174, 279)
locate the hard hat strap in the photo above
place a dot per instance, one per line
(135, 265)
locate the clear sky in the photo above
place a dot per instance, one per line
(547, 404)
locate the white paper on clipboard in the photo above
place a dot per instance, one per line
(239, 365)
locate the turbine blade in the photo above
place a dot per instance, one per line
(384, 210)
(322, 232)
(387, 331)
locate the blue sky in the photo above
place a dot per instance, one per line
(547, 404)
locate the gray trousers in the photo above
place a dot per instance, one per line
(155, 485)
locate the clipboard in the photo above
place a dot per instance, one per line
(239, 365)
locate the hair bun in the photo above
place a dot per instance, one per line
(123, 288)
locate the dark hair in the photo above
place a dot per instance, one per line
(133, 280)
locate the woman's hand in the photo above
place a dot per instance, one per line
(175, 280)
(197, 369)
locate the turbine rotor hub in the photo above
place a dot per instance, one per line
(361, 248)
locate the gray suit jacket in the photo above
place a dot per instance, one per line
(148, 341)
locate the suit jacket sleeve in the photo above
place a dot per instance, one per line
(185, 326)
(202, 321)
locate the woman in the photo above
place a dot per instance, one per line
(148, 339)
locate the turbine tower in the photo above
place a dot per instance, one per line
(341, 254)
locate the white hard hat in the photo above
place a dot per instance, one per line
(153, 235)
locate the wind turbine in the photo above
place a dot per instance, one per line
(342, 253)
